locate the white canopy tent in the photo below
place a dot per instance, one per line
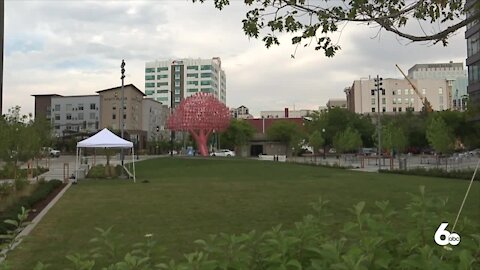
(104, 139)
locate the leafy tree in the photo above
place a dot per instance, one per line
(316, 140)
(320, 20)
(21, 138)
(286, 132)
(336, 120)
(237, 134)
(439, 135)
(394, 138)
(347, 141)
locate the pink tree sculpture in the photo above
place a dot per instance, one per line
(200, 114)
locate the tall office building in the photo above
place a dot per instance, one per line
(170, 81)
(472, 34)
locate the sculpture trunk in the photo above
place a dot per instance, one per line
(201, 139)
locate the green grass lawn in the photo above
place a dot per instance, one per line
(188, 199)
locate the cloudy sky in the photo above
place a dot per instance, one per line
(76, 47)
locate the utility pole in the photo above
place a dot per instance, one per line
(122, 104)
(379, 89)
(2, 22)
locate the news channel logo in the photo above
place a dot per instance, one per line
(443, 237)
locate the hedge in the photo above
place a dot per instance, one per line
(435, 172)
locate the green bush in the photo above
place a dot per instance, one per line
(368, 241)
(40, 193)
(435, 172)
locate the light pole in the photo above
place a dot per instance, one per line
(122, 104)
(324, 144)
(378, 88)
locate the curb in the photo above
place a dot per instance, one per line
(38, 218)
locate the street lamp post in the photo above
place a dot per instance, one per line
(378, 83)
(324, 144)
(122, 104)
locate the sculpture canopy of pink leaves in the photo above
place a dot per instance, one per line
(200, 114)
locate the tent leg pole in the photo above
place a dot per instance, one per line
(133, 162)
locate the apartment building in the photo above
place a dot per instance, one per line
(74, 114)
(110, 111)
(154, 117)
(240, 113)
(398, 96)
(472, 35)
(453, 73)
(43, 105)
(171, 81)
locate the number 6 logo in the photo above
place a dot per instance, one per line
(448, 238)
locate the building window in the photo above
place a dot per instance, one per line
(162, 69)
(124, 116)
(393, 93)
(92, 116)
(149, 77)
(411, 101)
(57, 117)
(206, 67)
(373, 109)
(92, 106)
(192, 67)
(206, 75)
(399, 92)
(440, 99)
(177, 83)
(440, 91)
(384, 101)
(80, 107)
(163, 76)
(406, 92)
(440, 107)
(177, 68)
(373, 101)
(394, 109)
(162, 84)
(57, 107)
(206, 83)
(394, 101)
(149, 92)
(399, 101)
(406, 101)
(150, 70)
(192, 90)
(411, 91)
(192, 75)
(177, 91)
(162, 91)
(80, 116)
(68, 107)
(177, 76)
(69, 116)
(424, 91)
(114, 116)
(399, 109)
(192, 82)
(150, 84)
(384, 109)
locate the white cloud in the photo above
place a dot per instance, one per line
(75, 47)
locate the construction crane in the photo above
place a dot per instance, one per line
(425, 102)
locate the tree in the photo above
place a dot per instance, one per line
(21, 138)
(285, 132)
(316, 140)
(394, 138)
(439, 135)
(318, 21)
(200, 115)
(347, 141)
(238, 134)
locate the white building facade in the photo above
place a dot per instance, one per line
(154, 119)
(71, 114)
(453, 73)
(171, 81)
(399, 96)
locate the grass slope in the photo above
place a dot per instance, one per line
(188, 199)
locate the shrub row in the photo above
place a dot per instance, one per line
(435, 172)
(41, 192)
(101, 171)
(8, 172)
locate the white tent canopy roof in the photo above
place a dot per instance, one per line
(105, 139)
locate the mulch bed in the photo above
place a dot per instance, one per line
(38, 207)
